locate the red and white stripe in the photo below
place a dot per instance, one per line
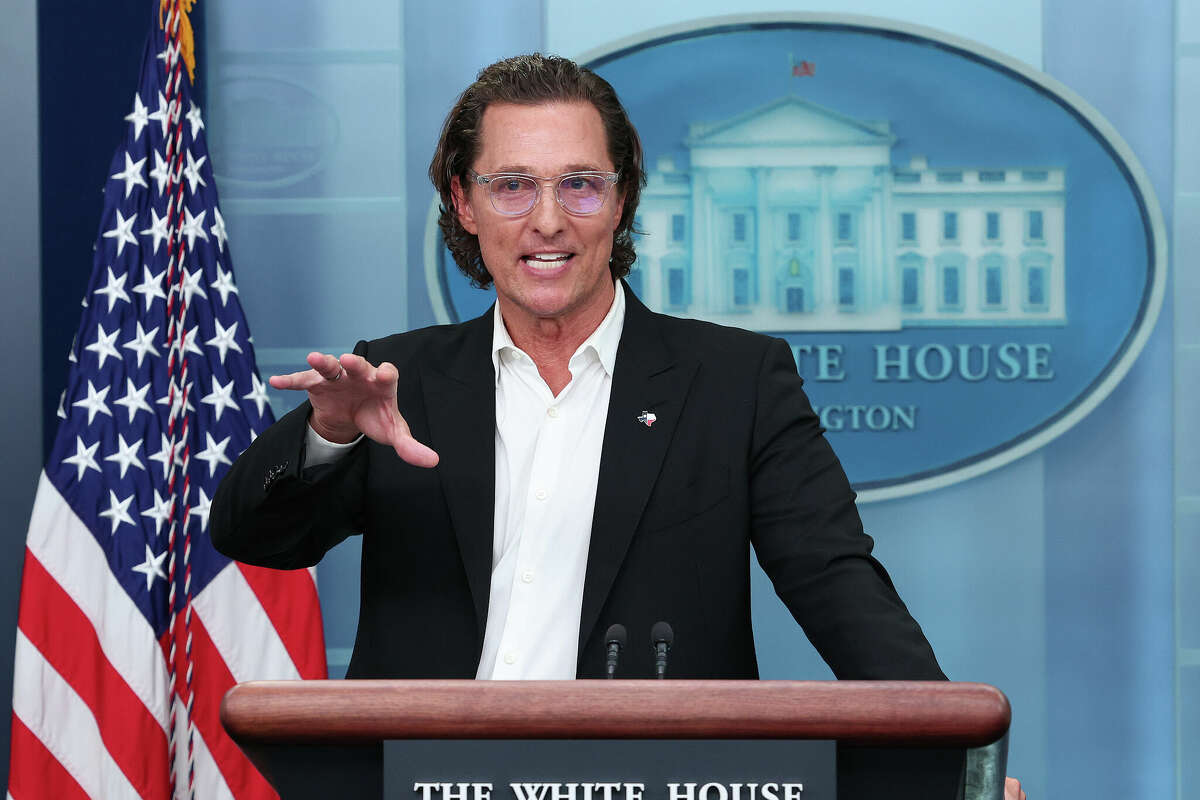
(90, 705)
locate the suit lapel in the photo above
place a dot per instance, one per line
(460, 401)
(648, 377)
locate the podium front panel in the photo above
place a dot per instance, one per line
(646, 769)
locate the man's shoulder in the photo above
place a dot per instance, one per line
(432, 343)
(710, 339)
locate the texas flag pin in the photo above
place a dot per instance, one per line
(647, 418)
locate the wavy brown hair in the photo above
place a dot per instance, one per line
(533, 80)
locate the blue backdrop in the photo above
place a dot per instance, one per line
(1052, 577)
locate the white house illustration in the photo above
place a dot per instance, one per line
(792, 217)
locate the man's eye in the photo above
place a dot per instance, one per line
(512, 185)
(577, 183)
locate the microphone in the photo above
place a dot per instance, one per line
(662, 638)
(614, 643)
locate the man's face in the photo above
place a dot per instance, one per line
(547, 264)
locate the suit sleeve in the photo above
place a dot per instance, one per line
(271, 512)
(809, 539)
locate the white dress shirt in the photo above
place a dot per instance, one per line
(547, 468)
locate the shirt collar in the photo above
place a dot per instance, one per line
(603, 341)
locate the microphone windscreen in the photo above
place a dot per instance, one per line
(616, 635)
(661, 632)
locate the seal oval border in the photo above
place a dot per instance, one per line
(1087, 116)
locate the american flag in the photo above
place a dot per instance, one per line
(131, 626)
(801, 69)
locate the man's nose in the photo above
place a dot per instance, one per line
(547, 216)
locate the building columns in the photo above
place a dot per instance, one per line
(702, 238)
(824, 265)
(764, 267)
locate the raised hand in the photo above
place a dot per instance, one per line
(349, 397)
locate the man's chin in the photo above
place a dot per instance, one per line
(545, 305)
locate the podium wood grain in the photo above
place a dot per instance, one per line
(885, 713)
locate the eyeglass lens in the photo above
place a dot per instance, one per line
(579, 194)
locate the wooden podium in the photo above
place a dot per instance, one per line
(288, 728)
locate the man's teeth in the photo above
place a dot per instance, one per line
(548, 258)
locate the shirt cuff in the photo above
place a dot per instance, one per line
(318, 450)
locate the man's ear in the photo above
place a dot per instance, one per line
(462, 206)
(620, 209)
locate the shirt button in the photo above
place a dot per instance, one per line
(540, 494)
(510, 658)
(527, 576)
(552, 411)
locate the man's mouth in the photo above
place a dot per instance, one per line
(546, 260)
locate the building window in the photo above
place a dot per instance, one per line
(949, 176)
(906, 177)
(992, 294)
(793, 226)
(991, 176)
(993, 287)
(676, 287)
(1035, 281)
(795, 292)
(844, 231)
(912, 269)
(739, 227)
(1035, 287)
(741, 287)
(845, 287)
(908, 227)
(678, 227)
(950, 226)
(910, 287)
(951, 294)
(676, 281)
(1035, 175)
(951, 268)
(1036, 226)
(992, 226)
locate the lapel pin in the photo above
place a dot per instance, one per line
(647, 418)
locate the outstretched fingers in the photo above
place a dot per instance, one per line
(325, 365)
(296, 381)
(355, 366)
(324, 368)
(387, 374)
(350, 396)
(387, 378)
(413, 452)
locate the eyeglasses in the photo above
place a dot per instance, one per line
(579, 193)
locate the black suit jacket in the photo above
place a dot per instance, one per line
(736, 457)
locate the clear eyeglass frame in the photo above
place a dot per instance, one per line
(576, 202)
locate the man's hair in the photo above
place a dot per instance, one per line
(533, 80)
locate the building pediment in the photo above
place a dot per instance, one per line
(792, 122)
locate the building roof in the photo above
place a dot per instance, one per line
(789, 120)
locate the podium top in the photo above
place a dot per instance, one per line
(895, 713)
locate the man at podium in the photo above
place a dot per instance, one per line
(569, 460)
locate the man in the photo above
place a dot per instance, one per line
(569, 460)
